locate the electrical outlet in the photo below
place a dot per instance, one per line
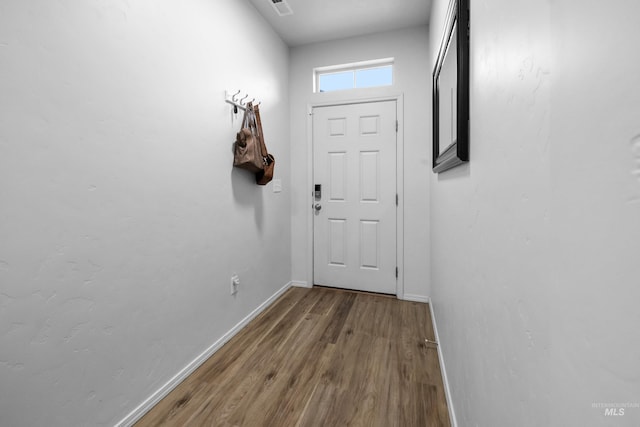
(235, 282)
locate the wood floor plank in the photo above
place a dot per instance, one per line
(295, 390)
(336, 323)
(282, 372)
(373, 315)
(260, 371)
(178, 406)
(318, 357)
(326, 300)
(337, 400)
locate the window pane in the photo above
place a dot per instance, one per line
(380, 76)
(335, 81)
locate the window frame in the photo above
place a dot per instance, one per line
(353, 68)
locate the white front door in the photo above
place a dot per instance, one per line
(354, 228)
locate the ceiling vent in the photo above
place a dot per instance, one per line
(281, 7)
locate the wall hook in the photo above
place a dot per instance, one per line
(233, 97)
(242, 99)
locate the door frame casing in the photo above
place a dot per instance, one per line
(399, 181)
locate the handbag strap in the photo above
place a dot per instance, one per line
(249, 117)
(263, 147)
(245, 118)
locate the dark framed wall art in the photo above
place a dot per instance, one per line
(451, 91)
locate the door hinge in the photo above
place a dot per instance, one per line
(396, 272)
(396, 126)
(397, 199)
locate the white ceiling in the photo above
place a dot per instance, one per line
(321, 20)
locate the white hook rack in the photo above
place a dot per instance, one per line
(239, 103)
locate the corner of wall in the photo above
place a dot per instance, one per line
(135, 415)
(415, 298)
(301, 284)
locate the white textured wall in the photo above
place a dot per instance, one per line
(409, 47)
(121, 219)
(535, 242)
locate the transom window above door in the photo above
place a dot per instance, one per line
(353, 76)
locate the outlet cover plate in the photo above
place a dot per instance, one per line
(235, 281)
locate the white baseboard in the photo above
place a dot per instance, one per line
(156, 397)
(300, 284)
(415, 298)
(447, 390)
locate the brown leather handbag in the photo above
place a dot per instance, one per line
(264, 176)
(247, 152)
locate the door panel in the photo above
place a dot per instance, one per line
(337, 176)
(369, 244)
(354, 151)
(369, 176)
(337, 242)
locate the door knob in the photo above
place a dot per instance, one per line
(317, 207)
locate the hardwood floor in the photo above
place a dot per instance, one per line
(318, 357)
